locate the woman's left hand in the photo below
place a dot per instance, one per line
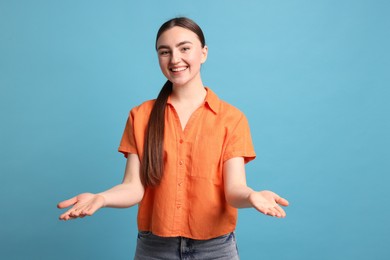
(268, 203)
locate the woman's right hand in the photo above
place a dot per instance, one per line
(85, 204)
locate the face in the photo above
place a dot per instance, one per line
(180, 55)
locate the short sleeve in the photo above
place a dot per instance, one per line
(239, 142)
(127, 144)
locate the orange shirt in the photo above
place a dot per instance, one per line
(190, 200)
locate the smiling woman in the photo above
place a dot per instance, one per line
(180, 55)
(186, 153)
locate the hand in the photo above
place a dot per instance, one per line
(84, 204)
(267, 202)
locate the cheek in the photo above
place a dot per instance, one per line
(163, 64)
(160, 61)
(163, 68)
(196, 62)
(198, 58)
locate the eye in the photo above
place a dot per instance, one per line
(163, 53)
(185, 49)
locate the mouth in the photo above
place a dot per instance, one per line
(178, 69)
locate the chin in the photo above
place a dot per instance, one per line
(179, 82)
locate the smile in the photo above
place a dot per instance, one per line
(178, 69)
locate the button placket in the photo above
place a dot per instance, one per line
(180, 177)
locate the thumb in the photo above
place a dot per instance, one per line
(282, 201)
(67, 203)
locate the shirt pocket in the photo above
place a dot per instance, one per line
(207, 154)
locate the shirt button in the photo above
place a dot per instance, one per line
(181, 162)
(181, 141)
(180, 183)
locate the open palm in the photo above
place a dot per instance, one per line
(268, 203)
(83, 205)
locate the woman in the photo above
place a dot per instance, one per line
(186, 155)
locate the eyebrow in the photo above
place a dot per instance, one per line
(177, 45)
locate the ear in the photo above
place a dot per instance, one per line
(204, 54)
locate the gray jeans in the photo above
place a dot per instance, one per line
(150, 247)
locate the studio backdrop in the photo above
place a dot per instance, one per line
(312, 77)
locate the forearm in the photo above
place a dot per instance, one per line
(238, 196)
(123, 195)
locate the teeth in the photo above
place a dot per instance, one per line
(178, 69)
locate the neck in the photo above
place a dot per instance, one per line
(188, 93)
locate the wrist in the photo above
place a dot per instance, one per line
(102, 198)
(249, 197)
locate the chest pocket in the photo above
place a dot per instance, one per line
(207, 154)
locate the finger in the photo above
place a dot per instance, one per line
(66, 215)
(276, 212)
(67, 203)
(261, 209)
(280, 212)
(89, 211)
(76, 212)
(268, 212)
(81, 215)
(278, 199)
(73, 212)
(282, 201)
(271, 214)
(69, 218)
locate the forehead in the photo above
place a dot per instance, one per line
(176, 35)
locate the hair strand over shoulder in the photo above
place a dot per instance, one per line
(152, 164)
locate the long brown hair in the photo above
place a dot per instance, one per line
(152, 165)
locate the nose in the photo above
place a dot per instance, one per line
(175, 57)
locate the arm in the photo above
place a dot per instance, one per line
(239, 195)
(129, 193)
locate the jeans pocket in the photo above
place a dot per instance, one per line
(144, 234)
(223, 240)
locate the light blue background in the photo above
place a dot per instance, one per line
(311, 76)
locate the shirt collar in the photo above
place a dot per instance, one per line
(211, 101)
